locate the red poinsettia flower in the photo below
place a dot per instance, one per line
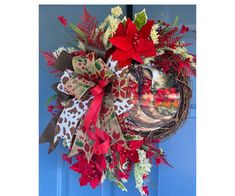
(130, 154)
(90, 172)
(132, 44)
(135, 144)
(62, 20)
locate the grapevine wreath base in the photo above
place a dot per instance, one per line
(124, 86)
(171, 127)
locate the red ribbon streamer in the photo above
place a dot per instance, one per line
(101, 138)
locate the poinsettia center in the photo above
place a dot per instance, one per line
(136, 40)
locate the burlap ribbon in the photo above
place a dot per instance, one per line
(89, 121)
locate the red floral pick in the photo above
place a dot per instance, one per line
(132, 44)
(49, 57)
(50, 108)
(62, 20)
(158, 161)
(66, 158)
(145, 189)
(161, 159)
(184, 29)
(145, 176)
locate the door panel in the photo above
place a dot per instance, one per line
(55, 177)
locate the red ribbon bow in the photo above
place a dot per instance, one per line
(101, 138)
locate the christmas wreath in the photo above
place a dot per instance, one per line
(124, 86)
